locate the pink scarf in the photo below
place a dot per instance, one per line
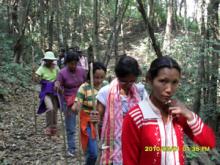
(112, 123)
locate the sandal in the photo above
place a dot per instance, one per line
(53, 131)
(48, 131)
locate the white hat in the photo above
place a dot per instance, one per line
(49, 56)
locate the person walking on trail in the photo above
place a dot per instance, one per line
(83, 61)
(84, 102)
(61, 58)
(114, 100)
(153, 130)
(69, 79)
(47, 73)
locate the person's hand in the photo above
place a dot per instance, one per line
(177, 108)
(57, 87)
(94, 116)
(74, 108)
(36, 78)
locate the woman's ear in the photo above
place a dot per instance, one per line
(149, 80)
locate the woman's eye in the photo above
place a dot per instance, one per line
(162, 81)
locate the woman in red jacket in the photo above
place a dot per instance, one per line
(153, 130)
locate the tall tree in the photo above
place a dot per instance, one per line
(214, 39)
(95, 30)
(81, 27)
(150, 10)
(14, 16)
(42, 12)
(50, 25)
(201, 64)
(66, 25)
(59, 24)
(112, 42)
(169, 27)
(18, 47)
(150, 30)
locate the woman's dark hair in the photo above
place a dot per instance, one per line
(127, 66)
(62, 50)
(76, 49)
(96, 66)
(159, 63)
(71, 56)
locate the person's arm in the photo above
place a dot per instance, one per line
(199, 132)
(101, 101)
(38, 75)
(80, 97)
(37, 78)
(101, 109)
(58, 85)
(76, 107)
(130, 142)
(193, 125)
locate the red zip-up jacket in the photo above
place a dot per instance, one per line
(144, 137)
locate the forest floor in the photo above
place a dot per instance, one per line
(20, 144)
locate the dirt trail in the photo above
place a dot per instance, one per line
(19, 144)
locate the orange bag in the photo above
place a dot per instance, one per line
(70, 100)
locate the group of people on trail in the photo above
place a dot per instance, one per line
(120, 120)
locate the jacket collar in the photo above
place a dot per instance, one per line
(148, 110)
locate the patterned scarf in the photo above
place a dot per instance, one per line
(112, 123)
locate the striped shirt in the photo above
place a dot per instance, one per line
(84, 96)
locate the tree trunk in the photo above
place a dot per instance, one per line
(115, 35)
(9, 19)
(180, 8)
(175, 18)
(150, 30)
(66, 24)
(123, 39)
(50, 31)
(118, 18)
(59, 27)
(214, 38)
(201, 66)
(14, 15)
(95, 30)
(18, 47)
(42, 9)
(81, 27)
(169, 27)
(151, 11)
(74, 24)
(185, 17)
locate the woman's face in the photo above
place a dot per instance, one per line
(126, 82)
(72, 66)
(98, 77)
(164, 85)
(49, 62)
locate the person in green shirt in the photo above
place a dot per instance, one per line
(84, 102)
(47, 73)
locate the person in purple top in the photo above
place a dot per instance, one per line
(69, 79)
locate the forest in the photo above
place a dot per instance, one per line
(104, 30)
